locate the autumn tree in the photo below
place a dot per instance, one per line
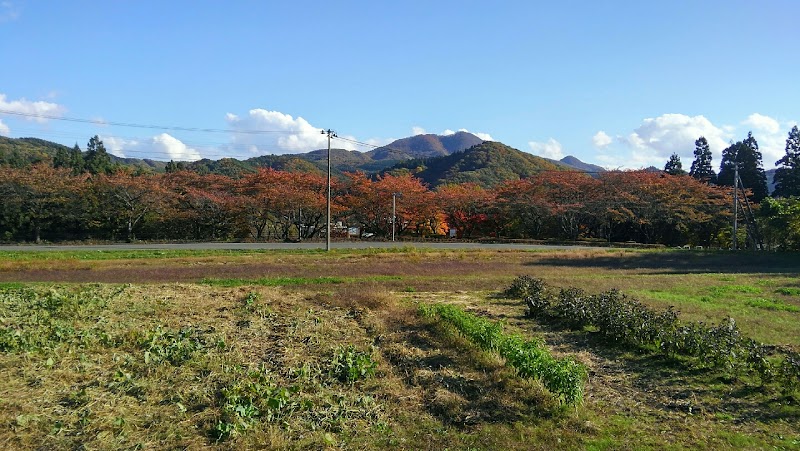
(284, 204)
(369, 203)
(787, 176)
(701, 166)
(127, 199)
(466, 207)
(203, 206)
(40, 196)
(746, 155)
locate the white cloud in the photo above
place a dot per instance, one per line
(762, 123)
(282, 134)
(601, 139)
(771, 136)
(117, 146)
(160, 147)
(551, 149)
(4, 130)
(418, 131)
(26, 107)
(656, 139)
(676, 133)
(173, 147)
(483, 136)
(9, 11)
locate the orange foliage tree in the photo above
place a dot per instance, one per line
(467, 207)
(368, 203)
(39, 196)
(283, 204)
(206, 205)
(127, 199)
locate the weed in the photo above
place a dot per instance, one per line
(176, 347)
(350, 365)
(252, 396)
(768, 304)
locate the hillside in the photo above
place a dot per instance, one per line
(487, 164)
(425, 146)
(578, 164)
(25, 151)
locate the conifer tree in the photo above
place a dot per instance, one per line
(751, 171)
(787, 177)
(97, 160)
(674, 166)
(701, 166)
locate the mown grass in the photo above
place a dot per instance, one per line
(161, 254)
(246, 359)
(295, 281)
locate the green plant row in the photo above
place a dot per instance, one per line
(564, 378)
(626, 321)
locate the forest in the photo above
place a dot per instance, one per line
(80, 196)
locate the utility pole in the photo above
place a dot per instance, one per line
(331, 134)
(394, 211)
(735, 202)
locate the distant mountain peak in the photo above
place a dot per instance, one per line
(578, 164)
(425, 146)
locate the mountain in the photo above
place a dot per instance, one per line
(460, 157)
(487, 164)
(770, 180)
(578, 164)
(25, 151)
(425, 146)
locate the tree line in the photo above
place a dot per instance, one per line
(746, 155)
(87, 198)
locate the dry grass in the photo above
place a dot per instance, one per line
(431, 390)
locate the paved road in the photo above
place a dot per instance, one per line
(305, 245)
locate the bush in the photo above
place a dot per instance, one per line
(626, 321)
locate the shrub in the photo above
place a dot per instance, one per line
(628, 322)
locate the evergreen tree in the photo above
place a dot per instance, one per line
(701, 166)
(76, 159)
(751, 169)
(787, 177)
(97, 160)
(61, 158)
(674, 166)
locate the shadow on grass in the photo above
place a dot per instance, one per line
(460, 387)
(678, 384)
(683, 262)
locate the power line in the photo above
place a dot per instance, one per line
(130, 124)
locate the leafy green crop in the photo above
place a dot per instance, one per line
(350, 365)
(562, 377)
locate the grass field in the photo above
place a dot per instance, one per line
(242, 350)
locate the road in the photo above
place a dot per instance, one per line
(304, 245)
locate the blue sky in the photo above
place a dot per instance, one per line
(617, 83)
